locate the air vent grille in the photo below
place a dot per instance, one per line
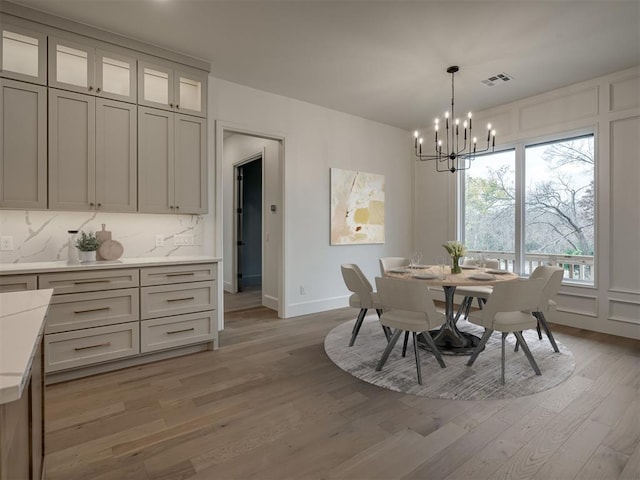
(495, 79)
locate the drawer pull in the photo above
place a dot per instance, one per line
(182, 331)
(180, 274)
(180, 299)
(82, 282)
(107, 344)
(92, 310)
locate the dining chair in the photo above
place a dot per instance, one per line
(387, 263)
(509, 310)
(552, 277)
(362, 297)
(480, 293)
(408, 307)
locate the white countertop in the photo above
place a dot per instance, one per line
(62, 266)
(22, 318)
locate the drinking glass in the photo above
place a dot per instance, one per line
(482, 262)
(416, 258)
(441, 264)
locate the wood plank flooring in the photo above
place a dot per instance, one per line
(269, 405)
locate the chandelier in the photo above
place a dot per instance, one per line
(453, 153)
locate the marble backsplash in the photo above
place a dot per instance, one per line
(41, 236)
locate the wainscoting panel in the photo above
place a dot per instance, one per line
(627, 311)
(624, 213)
(624, 94)
(578, 304)
(572, 106)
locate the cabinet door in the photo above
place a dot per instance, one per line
(23, 145)
(23, 55)
(155, 161)
(71, 65)
(71, 150)
(155, 85)
(116, 156)
(191, 92)
(115, 76)
(190, 171)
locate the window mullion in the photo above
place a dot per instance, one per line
(519, 261)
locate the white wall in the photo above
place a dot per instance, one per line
(611, 106)
(317, 139)
(237, 148)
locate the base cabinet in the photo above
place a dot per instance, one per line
(101, 320)
(22, 430)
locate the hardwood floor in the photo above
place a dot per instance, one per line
(250, 297)
(269, 404)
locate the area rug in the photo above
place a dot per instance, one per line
(457, 381)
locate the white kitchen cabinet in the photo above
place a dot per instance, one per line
(172, 87)
(23, 55)
(23, 145)
(92, 153)
(171, 162)
(80, 67)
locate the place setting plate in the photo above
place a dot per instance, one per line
(399, 270)
(481, 276)
(425, 276)
(497, 272)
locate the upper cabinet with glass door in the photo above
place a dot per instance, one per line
(23, 55)
(83, 68)
(172, 87)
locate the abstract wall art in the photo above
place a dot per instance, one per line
(357, 207)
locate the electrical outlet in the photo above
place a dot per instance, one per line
(302, 290)
(6, 243)
(159, 240)
(182, 240)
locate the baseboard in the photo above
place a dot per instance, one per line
(270, 302)
(315, 306)
(227, 287)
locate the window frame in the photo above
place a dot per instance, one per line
(519, 147)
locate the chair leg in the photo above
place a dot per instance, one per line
(461, 309)
(543, 321)
(404, 345)
(415, 351)
(517, 344)
(387, 350)
(527, 352)
(539, 331)
(433, 348)
(480, 304)
(483, 341)
(503, 358)
(356, 327)
(387, 332)
(468, 309)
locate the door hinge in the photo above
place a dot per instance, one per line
(239, 177)
(240, 243)
(239, 210)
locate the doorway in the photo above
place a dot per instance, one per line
(237, 149)
(249, 192)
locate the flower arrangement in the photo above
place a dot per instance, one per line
(456, 250)
(87, 242)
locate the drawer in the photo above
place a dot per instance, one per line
(177, 274)
(93, 309)
(91, 281)
(17, 283)
(161, 333)
(92, 345)
(167, 300)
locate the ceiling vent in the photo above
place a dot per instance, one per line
(494, 79)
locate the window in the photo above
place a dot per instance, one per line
(552, 205)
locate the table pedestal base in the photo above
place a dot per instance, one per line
(451, 343)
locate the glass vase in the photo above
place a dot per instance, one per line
(455, 267)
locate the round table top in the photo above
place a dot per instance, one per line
(430, 274)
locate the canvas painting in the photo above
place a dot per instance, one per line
(357, 207)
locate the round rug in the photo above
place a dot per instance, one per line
(457, 381)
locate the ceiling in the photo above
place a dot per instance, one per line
(383, 60)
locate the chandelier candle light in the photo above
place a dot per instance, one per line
(458, 153)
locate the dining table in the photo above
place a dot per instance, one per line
(448, 338)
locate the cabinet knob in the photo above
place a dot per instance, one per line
(177, 106)
(171, 207)
(177, 207)
(91, 204)
(99, 205)
(90, 88)
(171, 105)
(98, 89)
